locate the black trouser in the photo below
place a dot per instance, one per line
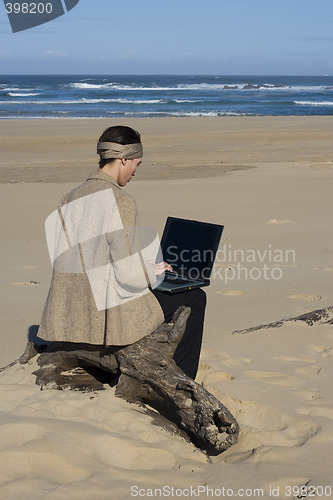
(188, 350)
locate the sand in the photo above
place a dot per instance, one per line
(268, 180)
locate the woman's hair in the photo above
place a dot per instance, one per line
(120, 134)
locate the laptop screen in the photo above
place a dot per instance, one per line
(190, 246)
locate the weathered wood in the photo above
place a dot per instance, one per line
(30, 352)
(319, 316)
(149, 374)
(145, 372)
(76, 366)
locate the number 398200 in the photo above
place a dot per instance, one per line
(28, 8)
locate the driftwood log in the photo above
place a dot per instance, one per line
(143, 372)
(319, 317)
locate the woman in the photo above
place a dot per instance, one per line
(102, 285)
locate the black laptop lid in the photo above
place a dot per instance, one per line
(190, 246)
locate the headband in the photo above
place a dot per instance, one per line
(110, 150)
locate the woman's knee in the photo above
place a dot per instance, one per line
(203, 297)
(199, 298)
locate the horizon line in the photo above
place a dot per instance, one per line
(170, 74)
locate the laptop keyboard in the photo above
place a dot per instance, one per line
(175, 279)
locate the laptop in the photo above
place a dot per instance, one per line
(190, 247)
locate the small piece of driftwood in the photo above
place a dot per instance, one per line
(143, 372)
(319, 317)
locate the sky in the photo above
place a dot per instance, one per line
(197, 37)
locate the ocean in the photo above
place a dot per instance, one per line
(84, 96)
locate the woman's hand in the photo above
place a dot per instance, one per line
(161, 267)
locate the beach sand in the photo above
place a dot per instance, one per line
(268, 180)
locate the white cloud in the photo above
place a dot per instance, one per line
(54, 53)
(4, 54)
(132, 54)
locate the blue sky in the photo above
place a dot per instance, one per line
(285, 37)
